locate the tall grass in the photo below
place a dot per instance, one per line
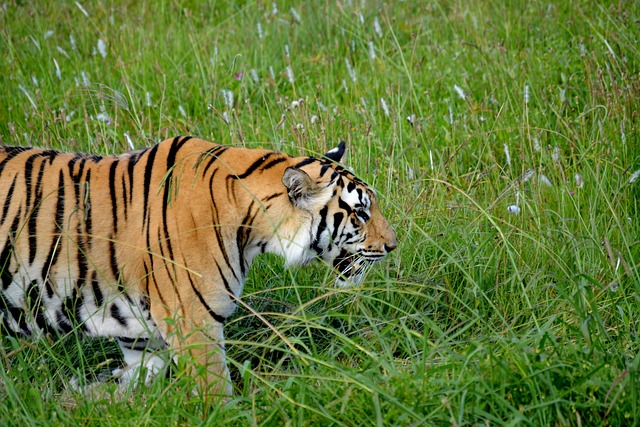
(501, 138)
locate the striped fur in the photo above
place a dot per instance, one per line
(115, 246)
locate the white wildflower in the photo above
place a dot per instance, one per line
(225, 117)
(411, 119)
(526, 176)
(507, 155)
(385, 107)
(102, 48)
(26, 93)
(350, 70)
(634, 176)
(526, 94)
(68, 117)
(34, 80)
(372, 50)
(103, 116)
(58, 72)
(460, 92)
(274, 8)
(227, 96)
(578, 179)
(254, 75)
(376, 27)
(513, 209)
(48, 34)
(63, 52)
(260, 31)
(536, 144)
(290, 76)
(544, 180)
(314, 119)
(129, 141)
(295, 104)
(182, 112)
(410, 174)
(300, 127)
(148, 96)
(295, 15)
(563, 96)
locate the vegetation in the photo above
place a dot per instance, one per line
(501, 137)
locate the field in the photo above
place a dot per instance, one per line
(501, 137)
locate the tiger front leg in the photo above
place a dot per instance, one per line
(203, 349)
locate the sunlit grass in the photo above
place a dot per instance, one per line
(501, 139)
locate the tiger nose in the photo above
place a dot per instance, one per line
(392, 243)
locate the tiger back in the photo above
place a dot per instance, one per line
(117, 245)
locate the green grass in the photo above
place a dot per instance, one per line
(481, 317)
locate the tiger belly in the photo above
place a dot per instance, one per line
(35, 307)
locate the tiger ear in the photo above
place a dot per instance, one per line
(336, 154)
(300, 186)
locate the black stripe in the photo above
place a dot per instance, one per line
(243, 235)
(97, 292)
(33, 217)
(171, 158)
(226, 283)
(306, 162)
(130, 172)
(54, 250)
(5, 257)
(112, 191)
(218, 318)
(7, 201)
(115, 313)
(255, 165)
(273, 196)
(215, 154)
(34, 305)
(124, 197)
(215, 221)
(321, 227)
(273, 163)
(11, 152)
(88, 212)
(171, 277)
(16, 313)
(147, 182)
(337, 220)
(28, 178)
(71, 309)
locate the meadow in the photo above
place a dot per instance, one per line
(501, 138)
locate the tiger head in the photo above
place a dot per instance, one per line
(346, 227)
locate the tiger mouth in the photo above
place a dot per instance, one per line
(350, 268)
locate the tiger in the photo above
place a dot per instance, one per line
(152, 247)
